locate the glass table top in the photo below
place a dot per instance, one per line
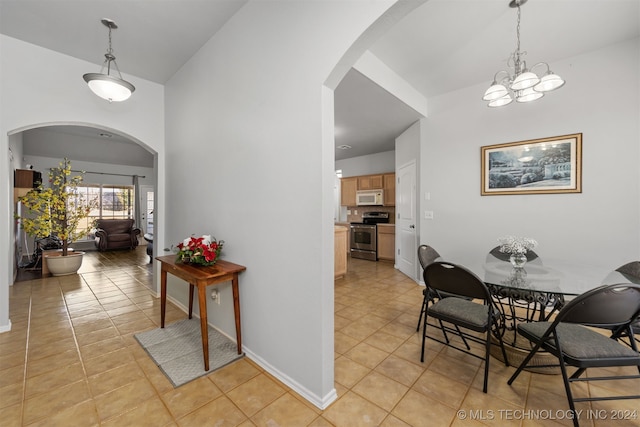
(548, 276)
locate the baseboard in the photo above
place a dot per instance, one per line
(322, 402)
(6, 328)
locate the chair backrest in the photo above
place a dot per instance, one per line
(503, 256)
(427, 255)
(631, 270)
(455, 279)
(605, 306)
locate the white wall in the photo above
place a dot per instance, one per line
(41, 87)
(250, 165)
(366, 165)
(598, 227)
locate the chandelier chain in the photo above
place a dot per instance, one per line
(110, 50)
(517, 52)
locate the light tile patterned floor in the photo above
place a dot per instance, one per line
(71, 360)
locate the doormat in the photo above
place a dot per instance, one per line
(177, 350)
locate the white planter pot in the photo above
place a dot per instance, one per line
(59, 265)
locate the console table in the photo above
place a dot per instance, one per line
(201, 277)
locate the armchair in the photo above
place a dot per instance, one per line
(116, 234)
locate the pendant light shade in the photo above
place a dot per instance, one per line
(500, 102)
(525, 81)
(108, 86)
(520, 83)
(528, 95)
(494, 92)
(549, 82)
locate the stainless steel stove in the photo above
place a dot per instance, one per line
(364, 243)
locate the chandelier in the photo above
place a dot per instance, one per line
(106, 86)
(521, 84)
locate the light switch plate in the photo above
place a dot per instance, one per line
(428, 214)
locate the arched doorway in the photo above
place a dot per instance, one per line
(112, 162)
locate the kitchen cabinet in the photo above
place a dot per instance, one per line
(370, 182)
(340, 251)
(348, 188)
(387, 241)
(389, 186)
(25, 180)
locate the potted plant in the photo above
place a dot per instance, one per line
(58, 210)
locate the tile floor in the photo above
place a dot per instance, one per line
(71, 360)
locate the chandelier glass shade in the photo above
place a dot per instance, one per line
(108, 86)
(520, 83)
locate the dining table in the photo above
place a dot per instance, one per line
(534, 292)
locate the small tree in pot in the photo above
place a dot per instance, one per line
(57, 210)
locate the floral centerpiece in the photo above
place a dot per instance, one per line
(517, 247)
(203, 250)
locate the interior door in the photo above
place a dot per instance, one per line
(145, 200)
(406, 213)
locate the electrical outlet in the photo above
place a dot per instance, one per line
(215, 295)
(428, 214)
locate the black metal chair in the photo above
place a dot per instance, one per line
(503, 256)
(477, 314)
(631, 271)
(571, 337)
(426, 255)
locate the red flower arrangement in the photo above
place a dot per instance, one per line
(203, 250)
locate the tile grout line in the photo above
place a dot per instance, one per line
(26, 357)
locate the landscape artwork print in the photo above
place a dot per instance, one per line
(538, 166)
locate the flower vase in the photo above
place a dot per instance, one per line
(518, 260)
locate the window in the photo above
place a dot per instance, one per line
(111, 201)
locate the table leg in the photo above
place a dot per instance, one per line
(163, 296)
(204, 328)
(190, 299)
(236, 311)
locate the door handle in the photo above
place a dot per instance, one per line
(412, 226)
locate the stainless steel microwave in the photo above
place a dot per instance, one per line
(369, 198)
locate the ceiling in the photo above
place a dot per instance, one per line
(441, 46)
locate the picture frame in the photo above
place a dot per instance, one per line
(536, 166)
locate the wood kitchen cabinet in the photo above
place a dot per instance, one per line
(370, 182)
(389, 186)
(348, 188)
(340, 251)
(387, 241)
(25, 180)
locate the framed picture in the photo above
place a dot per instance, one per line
(537, 166)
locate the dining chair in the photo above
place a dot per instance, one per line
(426, 256)
(630, 271)
(476, 312)
(573, 338)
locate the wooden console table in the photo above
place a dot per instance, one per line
(202, 276)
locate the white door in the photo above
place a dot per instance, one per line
(145, 200)
(406, 219)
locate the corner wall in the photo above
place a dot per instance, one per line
(250, 164)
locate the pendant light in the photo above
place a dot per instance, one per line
(522, 84)
(109, 86)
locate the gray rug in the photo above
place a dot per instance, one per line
(177, 350)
